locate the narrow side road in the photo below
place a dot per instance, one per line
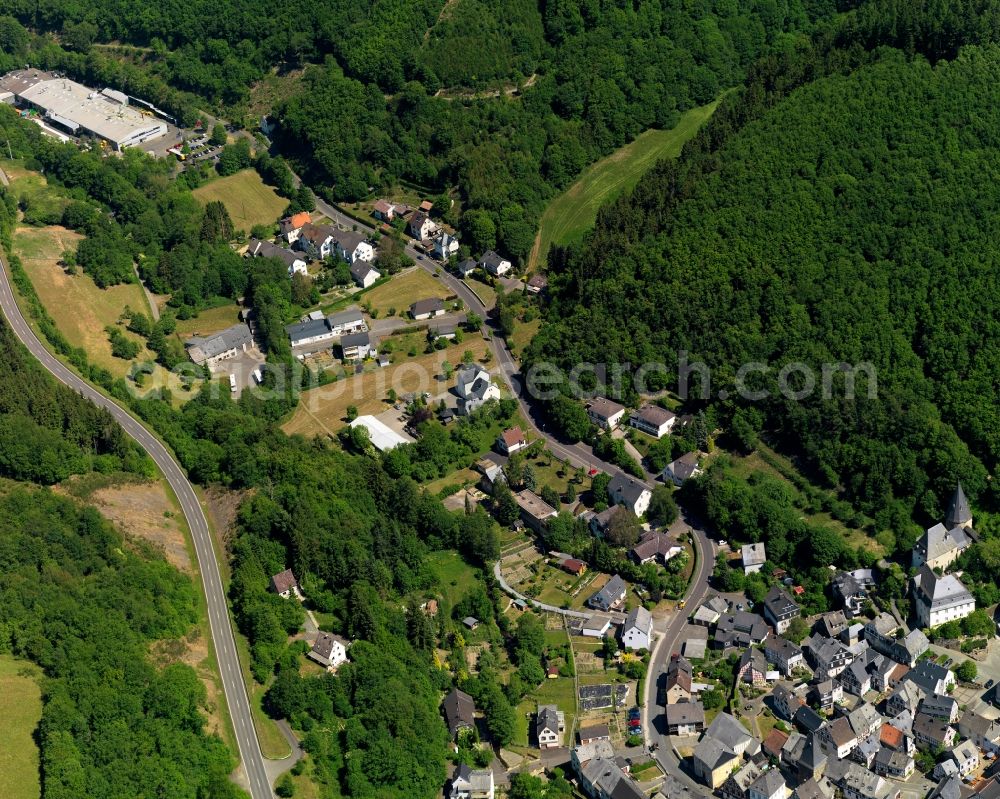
(653, 721)
(218, 612)
(578, 455)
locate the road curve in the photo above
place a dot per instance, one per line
(654, 722)
(218, 612)
(579, 454)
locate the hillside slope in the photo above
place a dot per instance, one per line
(854, 221)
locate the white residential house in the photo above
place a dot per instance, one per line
(653, 420)
(550, 724)
(468, 378)
(316, 241)
(769, 785)
(605, 413)
(222, 346)
(495, 264)
(940, 599)
(290, 227)
(754, 557)
(627, 491)
(284, 584)
(511, 440)
(266, 249)
(445, 246)
(364, 274)
(421, 227)
(637, 630)
(469, 783)
(427, 308)
(966, 757)
(358, 346)
(684, 468)
(330, 651)
(353, 247)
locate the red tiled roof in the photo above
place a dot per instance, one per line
(774, 741)
(513, 436)
(890, 736)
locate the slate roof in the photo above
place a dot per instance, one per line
(940, 592)
(325, 642)
(235, 337)
(627, 487)
(769, 782)
(728, 730)
(779, 604)
(609, 594)
(959, 511)
(685, 713)
(429, 305)
(459, 710)
(639, 618)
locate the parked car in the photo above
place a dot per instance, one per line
(634, 713)
(989, 684)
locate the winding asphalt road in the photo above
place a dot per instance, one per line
(218, 612)
(578, 454)
(654, 722)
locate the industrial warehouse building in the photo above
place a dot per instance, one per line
(80, 111)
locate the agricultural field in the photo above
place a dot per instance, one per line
(247, 198)
(81, 310)
(324, 409)
(574, 211)
(403, 290)
(21, 710)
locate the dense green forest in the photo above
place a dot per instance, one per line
(48, 431)
(507, 101)
(601, 73)
(840, 208)
(83, 605)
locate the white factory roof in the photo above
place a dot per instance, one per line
(64, 99)
(382, 436)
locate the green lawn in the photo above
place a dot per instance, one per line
(573, 212)
(763, 459)
(455, 576)
(560, 692)
(247, 198)
(211, 320)
(21, 709)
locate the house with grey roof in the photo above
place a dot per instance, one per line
(893, 763)
(495, 264)
(329, 650)
(754, 557)
(459, 711)
(610, 596)
(827, 656)
(929, 732)
(364, 274)
(637, 630)
(769, 785)
(653, 420)
(682, 469)
(352, 247)
(783, 654)
(779, 609)
(358, 346)
(469, 783)
(221, 346)
(550, 724)
(266, 249)
(983, 732)
(850, 589)
(737, 785)
(685, 718)
(739, 630)
(940, 599)
(627, 491)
